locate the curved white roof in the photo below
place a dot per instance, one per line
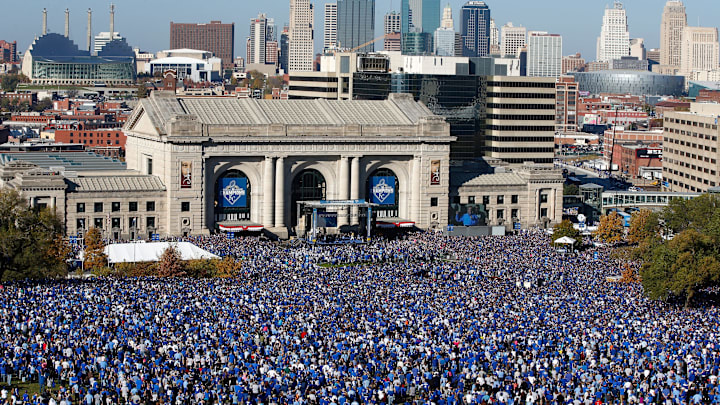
(178, 60)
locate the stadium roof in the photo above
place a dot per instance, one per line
(57, 48)
(398, 110)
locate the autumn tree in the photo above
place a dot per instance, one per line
(95, 258)
(610, 229)
(566, 228)
(171, 264)
(644, 224)
(228, 267)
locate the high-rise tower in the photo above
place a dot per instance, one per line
(301, 55)
(674, 20)
(475, 29)
(614, 40)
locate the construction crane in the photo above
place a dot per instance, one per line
(359, 47)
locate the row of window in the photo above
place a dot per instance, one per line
(115, 223)
(115, 206)
(691, 123)
(549, 139)
(85, 135)
(691, 188)
(692, 155)
(693, 134)
(521, 95)
(691, 167)
(521, 150)
(99, 142)
(521, 106)
(519, 117)
(527, 85)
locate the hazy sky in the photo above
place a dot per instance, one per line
(146, 23)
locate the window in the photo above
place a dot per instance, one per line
(500, 214)
(133, 222)
(132, 207)
(471, 200)
(514, 199)
(150, 222)
(150, 206)
(80, 207)
(98, 207)
(486, 200)
(501, 199)
(433, 202)
(543, 212)
(185, 206)
(116, 223)
(149, 166)
(543, 198)
(80, 223)
(115, 206)
(98, 223)
(515, 214)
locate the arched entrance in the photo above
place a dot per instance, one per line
(308, 185)
(382, 188)
(232, 197)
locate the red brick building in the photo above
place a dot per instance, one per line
(215, 37)
(19, 97)
(8, 52)
(629, 158)
(707, 96)
(566, 104)
(670, 105)
(622, 136)
(92, 138)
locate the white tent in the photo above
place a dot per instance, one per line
(151, 252)
(565, 240)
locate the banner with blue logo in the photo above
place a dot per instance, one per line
(233, 192)
(382, 190)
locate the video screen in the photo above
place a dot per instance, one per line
(468, 215)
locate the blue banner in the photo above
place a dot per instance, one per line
(233, 192)
(382, 190)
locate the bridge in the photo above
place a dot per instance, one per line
(647, 199)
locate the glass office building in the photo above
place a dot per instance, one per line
(356, 24)
(475, 30)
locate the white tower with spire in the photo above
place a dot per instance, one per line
(614, 40)
(444, 43)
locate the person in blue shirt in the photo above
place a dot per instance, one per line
(469, 218)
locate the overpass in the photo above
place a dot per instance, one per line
(641, 199)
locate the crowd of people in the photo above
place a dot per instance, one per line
(420, 319)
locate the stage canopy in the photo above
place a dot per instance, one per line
(151, 252)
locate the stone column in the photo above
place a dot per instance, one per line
(416, 187)
(551, 211)
(268, 189)
(538, 217)
(280, 193)
(344, 189)
(355, 186)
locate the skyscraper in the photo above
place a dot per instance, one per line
(544, 54)
(330, 27)
(475, 28)
(444, 40)
(420, 15)
(215, 37)
(393, 26)
(674, 20)
(614, 40)
(284, 48)
(494, 37)
(356, 24)
(513, 39)
(301, 55)
(700, 50)
(257, 43)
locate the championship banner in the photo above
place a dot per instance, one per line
(186, 175)
(233, 191)
(382, 190)
(435, 173)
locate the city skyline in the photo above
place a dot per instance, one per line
(147, 32)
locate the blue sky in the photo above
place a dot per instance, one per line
(146, 24)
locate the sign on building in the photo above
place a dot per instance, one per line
(383, 190)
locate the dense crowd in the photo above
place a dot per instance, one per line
(421, 319)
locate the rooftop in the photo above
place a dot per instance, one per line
(74, 161)
(117, 183)
(496, 179)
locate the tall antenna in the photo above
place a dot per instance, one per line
(44, 27)
(89, 31)
(112, 21)
(67, 23)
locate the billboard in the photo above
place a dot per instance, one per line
(233, 192)
(382, 190)
(468, 215)
(435, 173)
(327, 219)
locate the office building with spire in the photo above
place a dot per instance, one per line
(444, 40)
(475, 29)
(356, 25)
(614, 40)
(54, 59)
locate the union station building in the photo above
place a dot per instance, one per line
(202, 165)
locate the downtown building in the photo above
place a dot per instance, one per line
(214, 37)
(300, 46)
(513, 39)
(544, 54)
(393, 32)
(614, 40)
(672, 25)
(690, 149)
(356, 25)
(330, 25)
(700, 51)
(475, 29)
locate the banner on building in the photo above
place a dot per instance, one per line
(185, 174)
(233, 192)
(382, 190)
(435, 173)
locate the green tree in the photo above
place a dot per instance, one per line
(643, 225)
(701, 213)
(571, 189)
(171, 264)
(28, 240)
(95, 258)
(610, 229)
(566, 228)
(9, 81)
(142, 91)
(681, 267)
(43, 105)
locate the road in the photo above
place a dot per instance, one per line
(589, 176)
